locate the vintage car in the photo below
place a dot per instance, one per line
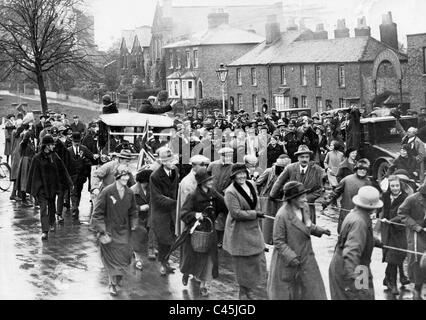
(381, 141)
(287, 113)
(135, 129)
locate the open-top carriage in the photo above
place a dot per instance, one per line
(132, 131)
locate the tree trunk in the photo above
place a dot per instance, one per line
(42, 89)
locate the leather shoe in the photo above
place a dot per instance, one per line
(249, 294)
(404, 280)
(112, 290)
(44, 236)
(52, 228)
(169, 269)
(204, 292)
(60, 219)
(185, 278)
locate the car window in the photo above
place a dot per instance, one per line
(387, 132)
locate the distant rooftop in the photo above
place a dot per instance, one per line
(287, 51)
(223, 34)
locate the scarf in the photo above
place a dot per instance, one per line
(252, 203)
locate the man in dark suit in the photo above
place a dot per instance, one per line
(163, 194)
(304, 171)
(78, 126)
(80, 162)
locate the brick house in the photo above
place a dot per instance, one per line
(416, 50)
(173, 23)
(305, 69)
(135, 53)
(191, 63)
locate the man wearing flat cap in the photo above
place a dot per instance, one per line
(304, 171)
(221, 171)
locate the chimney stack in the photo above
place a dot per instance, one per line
(320, 33)
(302, 25)
(362, 30)
(292, 26)
(389, 31)
(272, 28)
(341, 31)
(215, 19)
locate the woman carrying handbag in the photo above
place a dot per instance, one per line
(201, 208)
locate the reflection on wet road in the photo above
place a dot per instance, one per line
(68, 265)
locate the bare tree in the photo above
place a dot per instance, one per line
(38, 37)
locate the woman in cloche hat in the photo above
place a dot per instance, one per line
(243, 239)
(352, 256)
(294, 273)
(201, 205)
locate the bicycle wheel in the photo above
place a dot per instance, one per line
(5, 182)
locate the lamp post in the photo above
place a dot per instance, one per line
(222, 74)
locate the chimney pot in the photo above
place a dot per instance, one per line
(389, 31)
(292, 25)
(362, 30)
(320, 33)
(215, 19)
(272, 29)
(341, 31)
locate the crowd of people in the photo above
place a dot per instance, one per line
(234, 182)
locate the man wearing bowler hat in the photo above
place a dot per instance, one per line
(349, 273)
(304, 171)
(80, 162)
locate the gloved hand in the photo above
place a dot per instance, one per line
(199, 216)
(324, 205)
(418, 228)
(295, 262)
(260, 215)
(326, 232)
(378, 244)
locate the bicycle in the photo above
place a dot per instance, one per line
(5, 182)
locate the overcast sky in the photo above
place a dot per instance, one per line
(112, 16)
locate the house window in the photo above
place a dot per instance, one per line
(328, 104)
(304, 102)
(281, 102)
(174, 88)
(171, 60)
(319, 104)
(239, 79)
(342, 103)
(188, 59)
(240, 101)
(253, 77)
(188, 91)
(318, 81)
(195, 58)
(342, 77)
(254, 102)
(303, 78)
(283, 76)
(178, 60)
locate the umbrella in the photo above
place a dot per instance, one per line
(188, 231)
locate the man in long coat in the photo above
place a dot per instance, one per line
(188, 186)
(412, 212)
(163, 194)
(46, 178)
(304, 171)
(350, 274)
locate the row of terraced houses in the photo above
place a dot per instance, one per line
(271, 58)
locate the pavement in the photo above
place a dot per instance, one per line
(68, 265)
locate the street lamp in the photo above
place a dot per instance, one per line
(222, 74)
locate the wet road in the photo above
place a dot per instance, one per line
(68, 265)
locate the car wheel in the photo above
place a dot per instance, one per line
(382, 169)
